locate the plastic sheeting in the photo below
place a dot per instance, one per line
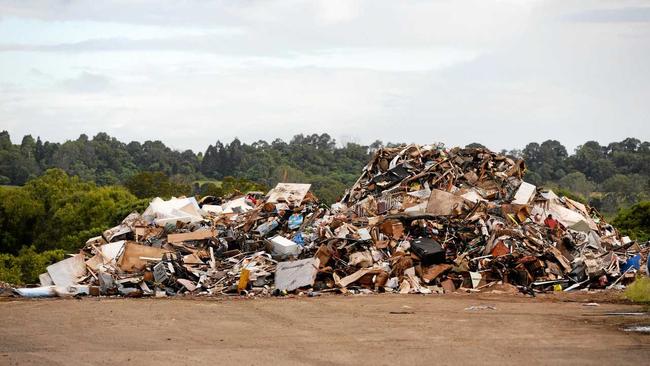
(163, 212)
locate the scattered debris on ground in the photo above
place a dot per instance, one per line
(638, 328)
(480, 307)
(419, 219)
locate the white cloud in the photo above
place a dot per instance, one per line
(337, 11)
(87, 83)
(502, 73)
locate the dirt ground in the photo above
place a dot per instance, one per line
(326, 330)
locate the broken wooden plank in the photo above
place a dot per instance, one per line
(131, 260)
(194, 235)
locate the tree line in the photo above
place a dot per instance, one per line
(608, 177)
(107, 161)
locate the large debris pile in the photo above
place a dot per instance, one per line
(419, 219)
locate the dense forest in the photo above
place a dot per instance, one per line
(107, 161)
(53, 196)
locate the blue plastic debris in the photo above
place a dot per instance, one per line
(298, 239)
(633, 262)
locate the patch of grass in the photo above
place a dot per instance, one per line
(639, 290)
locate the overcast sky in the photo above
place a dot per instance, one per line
(502, 73)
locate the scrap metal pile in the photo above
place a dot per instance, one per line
(419, 219)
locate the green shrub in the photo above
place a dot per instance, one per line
(634, 221)
(27, 265)
(639, 290)
(9, 269)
